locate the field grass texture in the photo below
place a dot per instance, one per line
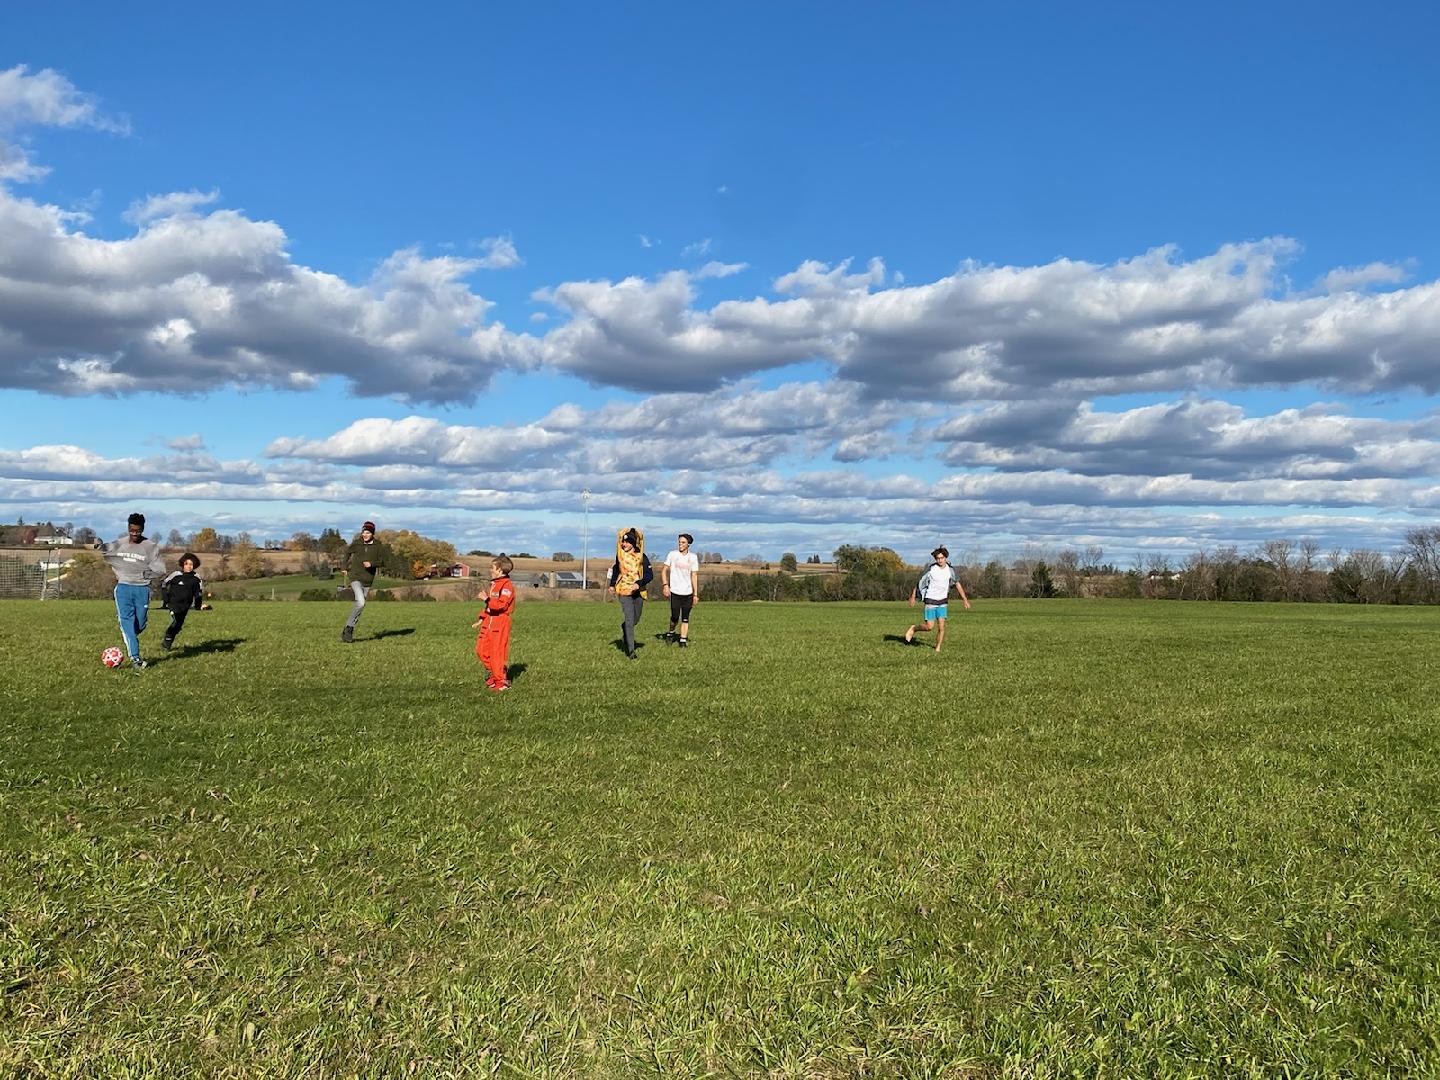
(1087, 838)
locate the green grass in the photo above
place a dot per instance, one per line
(289, 586)
(1088, 838)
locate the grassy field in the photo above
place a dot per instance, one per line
(1088, 838)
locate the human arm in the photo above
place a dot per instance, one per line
(961, 590)
(665, 577)
(156, 563)
(647, 574)
(501, 600)
(694, 586)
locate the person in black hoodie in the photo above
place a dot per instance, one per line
(182, 590)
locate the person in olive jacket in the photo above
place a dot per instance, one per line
(362, 560)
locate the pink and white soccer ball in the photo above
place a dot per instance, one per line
(112, 657)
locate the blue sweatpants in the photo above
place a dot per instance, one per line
(132, 605)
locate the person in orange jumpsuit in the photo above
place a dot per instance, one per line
(493, 644)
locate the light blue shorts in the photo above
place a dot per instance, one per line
(935, 611)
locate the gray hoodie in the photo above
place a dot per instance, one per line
(134, 564)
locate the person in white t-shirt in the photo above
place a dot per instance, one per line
(934, 590)
(680, 581)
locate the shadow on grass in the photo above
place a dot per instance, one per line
(901, 638)
(211, 646)
(401, 632)
(620, 645)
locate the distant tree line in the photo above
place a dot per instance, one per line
(1276, 570)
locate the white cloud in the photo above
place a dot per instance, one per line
(500, 254)
(174, 204)
(1346, 279)
(195, 301)
(695, 250)
(813, 278)
(720, 270)
(43, 99)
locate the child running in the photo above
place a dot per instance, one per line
(182, 591)
(493, 644)
(934, 587)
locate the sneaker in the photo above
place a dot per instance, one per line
(631, 656)
(138, 664)
(348, 634)
(684, 643)
(499, 686)
(166, 643)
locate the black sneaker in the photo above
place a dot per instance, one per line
(166, 643)
(684, 643)
(348, 634)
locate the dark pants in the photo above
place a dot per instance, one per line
(177, 620)
(630, 609)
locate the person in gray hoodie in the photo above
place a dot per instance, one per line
(135, 560)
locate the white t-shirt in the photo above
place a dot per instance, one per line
(681, 567)
(935, 584)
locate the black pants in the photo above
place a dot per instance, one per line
(680, 608)
(177, 620)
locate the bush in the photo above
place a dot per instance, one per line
(88, 578)
(325, 594)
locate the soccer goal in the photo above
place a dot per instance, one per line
(30, 575)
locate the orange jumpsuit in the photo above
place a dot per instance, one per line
(493, 644)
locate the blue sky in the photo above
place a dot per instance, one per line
(785, 276)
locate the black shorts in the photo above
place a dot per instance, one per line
(680, 607)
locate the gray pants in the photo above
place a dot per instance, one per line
(630, 609)
(359, 589)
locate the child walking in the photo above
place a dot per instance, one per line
(493, 644)
(934, 588)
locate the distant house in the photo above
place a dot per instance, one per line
(453, 570)
(564, 579)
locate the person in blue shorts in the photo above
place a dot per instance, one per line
(934, 589)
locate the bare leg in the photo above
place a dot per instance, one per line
(940, 636)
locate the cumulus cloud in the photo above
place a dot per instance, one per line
(1201, 438)
(1066, 328)
(201, 297)
(194, 301)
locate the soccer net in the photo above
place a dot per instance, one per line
(30, 575)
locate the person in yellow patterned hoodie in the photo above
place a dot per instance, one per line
(628, 578)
